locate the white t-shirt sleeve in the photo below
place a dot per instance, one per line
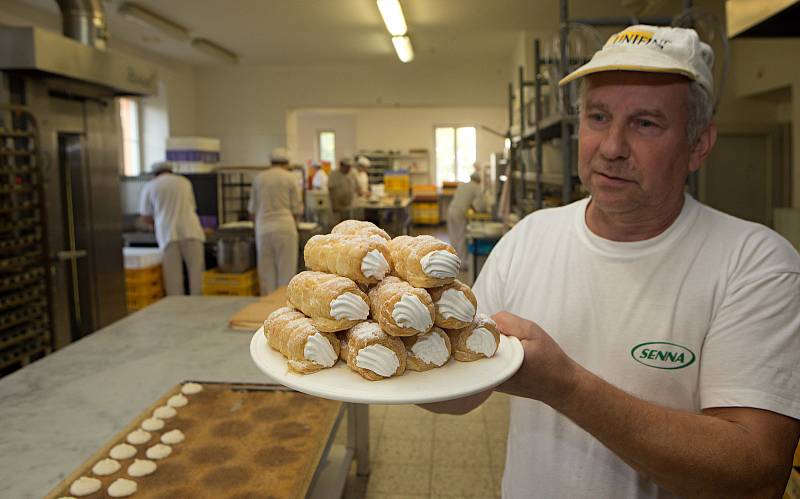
(146, 202)
(751, 354)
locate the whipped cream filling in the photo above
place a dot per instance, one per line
(158, 451)
(178, 400)
(431, 349)
(141, 467)
(319, 351)
(440, 264)
(173, 437)
(378, 359)
(191, 388)
(152, 424)
(454, 304)
(122, 451)
(84, 486)
(106, 467)
(122, 487)
(411, 312)
(374, 265)
(482, 341)
(349, 306)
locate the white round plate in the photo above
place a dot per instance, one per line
(451, 381)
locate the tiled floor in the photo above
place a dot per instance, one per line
(416, 454)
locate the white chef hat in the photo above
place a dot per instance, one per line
(363, 161)
(279, 155)
(653, 49)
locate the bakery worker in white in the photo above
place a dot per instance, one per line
(168, 202)
(468, 195)
(275, 201)
(319, 179)
(362, 176)
(661, 337)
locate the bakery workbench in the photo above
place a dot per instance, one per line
(58, 411)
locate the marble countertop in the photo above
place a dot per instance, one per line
(58, 411)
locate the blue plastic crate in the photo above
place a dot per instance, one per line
(481, 247)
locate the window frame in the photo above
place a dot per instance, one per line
(455, 128)
(139, 169)
(319, 145)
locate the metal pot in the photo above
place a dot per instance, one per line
(235, 254)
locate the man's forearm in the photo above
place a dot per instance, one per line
(693, 455)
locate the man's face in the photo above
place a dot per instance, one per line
(634, 153)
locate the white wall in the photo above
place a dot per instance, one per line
(310, 123)
(406, 128)
(247, 107)
(403, 128)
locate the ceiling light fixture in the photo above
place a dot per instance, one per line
(212, 49)
(402, 45)
(150, 19)
(393, 18)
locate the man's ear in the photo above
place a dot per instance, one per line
(705, 143)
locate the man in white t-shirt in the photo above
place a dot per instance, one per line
(661, 337)
(276, 202)
(168, 202)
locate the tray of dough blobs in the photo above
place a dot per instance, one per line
(381, 306)
(211, 440)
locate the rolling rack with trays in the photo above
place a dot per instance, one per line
(25, 315)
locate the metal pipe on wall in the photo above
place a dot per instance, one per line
(84, 21)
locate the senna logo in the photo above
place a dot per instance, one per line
(662, 355)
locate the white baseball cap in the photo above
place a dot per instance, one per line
(279, 155)
(653, 49)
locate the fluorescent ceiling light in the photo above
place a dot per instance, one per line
(393, 18)
(152, 20)
(402, 45)
(214, 50)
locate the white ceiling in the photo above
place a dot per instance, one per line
(278, 32)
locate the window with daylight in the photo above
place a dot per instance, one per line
(327, 147)
(456, 150)
(131, 137)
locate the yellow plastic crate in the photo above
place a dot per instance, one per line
(138, 303)
(144, 288)
(396, 184)
(215, 277)
(228, 290)
(145, 275)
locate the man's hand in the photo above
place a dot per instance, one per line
(547, 373)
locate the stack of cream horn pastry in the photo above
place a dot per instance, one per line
(382, 305)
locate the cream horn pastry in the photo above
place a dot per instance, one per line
(307, 349)
(400, 308)
(365, 260)
(427, 350)
(477, 341)
(360, 228)
(455, 305)
(372, 353)
(424, 261)
(332, 302)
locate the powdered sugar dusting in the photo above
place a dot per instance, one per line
(367, 330)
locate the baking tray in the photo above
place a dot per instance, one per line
(242, 440)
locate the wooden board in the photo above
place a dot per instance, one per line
(252, 316)
(242, 441)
